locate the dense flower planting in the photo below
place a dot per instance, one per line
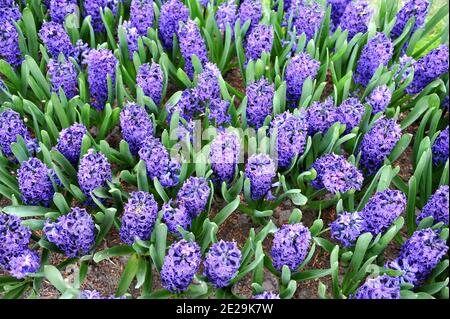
(253, 149)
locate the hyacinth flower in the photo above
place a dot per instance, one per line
(158, 162)
(150, 78)
(224, 155)
(63, 75)
(336, 174)
(92, 8)
(101, 63)
(346, 228)
(69, 142)
(189, 106)
(260, 170)
(290, 246)
(218, 112)
(138, 218)
(191, 43)
(94, 294)
(379, 98)
(15, 255)
(291, 134)
(382, 210)
(350, 113)
(180, 266)
(194, 195)
(356, 17)
(321, 116)
(337, 11)
(73, 233)
(250, 10)
(378, 143)
(208, 87)
(440, 148)
(9, 43)
(34, 182)
(306, 17)
(9, 10)
(131, 36)
(381, 287)
(413, 8)
(94, 171)
(226, 14)
(11, 125)
(222, 263)
(422, 252)
(378, 51)
(59, 9)
(172, 12)
(258, 41)
(56, 39)
(142, 15)
(429, 68)
(437, 206)
(136, 126)
(175, 215)
(259, 102)
(266, 295)
(300, 67)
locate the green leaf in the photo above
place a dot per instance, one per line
(113, 252)
(54, 276)
(127, 276)
(25, 211)
(226, 211)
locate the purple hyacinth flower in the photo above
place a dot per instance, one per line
(356, 17)
(56, 39)
(9, 11)
(150, 78)
(59, 9)
(9, 43)
(208, 87)
(336, 174)
(175, 215)
(381, 287)
(101, 63)
(189, 106)
(142, 15)
(291, 132)
(222, 263)
(139, 217)
(407, 272)
(191, 43)
(306, 17)
(258, 41)
(158, 162)
(429, 68)
(437, 206)
(413, 8)
(35, 184)
(63, 75)
(73, 233)
(379, 98)
(382, 209)
(27, 262)
(423, 251)
(300, 67)
(180, 266)
(260, 170)
(225, 154)
(218, 112)
(70, 140)
(132, 36)
(267, 295)
(290, 246)
(346, 228)
(11, 125)
(93, 7)
(194, 195)
(378, 51)
(321, 116)
(226, 14)
(337, 11)
(136, 126)
(90, 294)
(172, 12)
(259, 102)
(350, 113)
(94, 171)
(440, 148)
(250, 10)
(378, 143)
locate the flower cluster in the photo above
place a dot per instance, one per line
(259, 102)
(55, 39)
(139, 217)
(258, 41)
(208, 87)
(73, 233)
(250, 10)
(194, 195)
(378, 51)
(35, 184)
(132, 36)
(350, 113)
(59, 9)
(9, 43)
(226, 14)
(378, 143)
(136, 126)
(347, 227)
(260, 170)
(150, 78)
(321, 116)
(413, 8)
(218, 112)
(337, 11)
(94, 294)
(69, 142)
(63, 76)
(175, 215)
(142, 15)
(266, 295)
(440, 148)
(381, 287)
(180, 265)
(290, 246)
(94, 171)
(11, 126)
(93, 7)
(224, 154)
(306, 17)
(189, 105)
(171, 13)
(222, 263)
(356, 17)
(379, 98)
(336, 174)
(437, 206)
(300, 67)
(291, 133)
